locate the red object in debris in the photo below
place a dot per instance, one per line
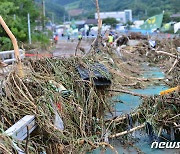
(38, 55)
(168, 36)
(59, 106)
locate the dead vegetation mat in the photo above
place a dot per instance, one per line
(82, 112)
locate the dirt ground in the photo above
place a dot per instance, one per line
(66, 48)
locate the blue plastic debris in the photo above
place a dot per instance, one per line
(152, 43)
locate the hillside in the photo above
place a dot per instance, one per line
(141, 8)
(54, 7)
(63, 2)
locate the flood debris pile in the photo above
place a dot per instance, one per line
(159, 113)
(151, 50)
(73, 92)
(69, 97)
(174, 76)
(162, 111)
(51, 88)
(137, 36)
(156, 54)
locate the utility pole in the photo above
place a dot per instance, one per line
(53, 22)
(64, 18)
(44, 11)
(14, 16)
(69, 17)
(52, 18)
(43, 14)
(29, 28)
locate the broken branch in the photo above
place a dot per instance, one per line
(127, 132)
(166, 53)
(128, 92)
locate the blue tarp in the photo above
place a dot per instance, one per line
(144, 32)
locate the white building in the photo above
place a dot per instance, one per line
(123, 16)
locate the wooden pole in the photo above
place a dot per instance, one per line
(15, 45)
(77, 47)
(99, 22)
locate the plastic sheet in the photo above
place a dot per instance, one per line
(58, 122)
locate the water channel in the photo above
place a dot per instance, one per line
(129, 103)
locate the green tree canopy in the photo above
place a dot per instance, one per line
(110, 21)
(14, 12)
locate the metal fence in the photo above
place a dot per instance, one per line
(9, 56)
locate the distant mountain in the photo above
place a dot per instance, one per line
(63, 2)
(141, 8)
(54, 8)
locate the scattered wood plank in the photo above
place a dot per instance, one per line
(19, 130)
(128, 131)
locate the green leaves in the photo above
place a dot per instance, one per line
(7, 8)
(110, 21)
(14, 12)
(5, 43)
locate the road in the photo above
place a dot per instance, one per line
(66, 48)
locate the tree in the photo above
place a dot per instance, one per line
(90, 16)
(14, 12)
(154, 11)
(166, 17)
(110, 21)
(175, 5)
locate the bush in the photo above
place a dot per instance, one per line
(42, 39)
(5, 44)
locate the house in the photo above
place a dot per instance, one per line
(80, 23)
(91, 22)
(175, 15)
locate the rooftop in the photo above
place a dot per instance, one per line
(175, 15)
(91, 21)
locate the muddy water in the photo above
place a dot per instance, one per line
(129, 103)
